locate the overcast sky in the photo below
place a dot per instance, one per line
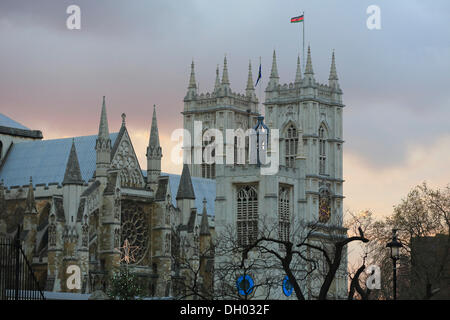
(395, 80)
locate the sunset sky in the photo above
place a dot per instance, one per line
(396, 81)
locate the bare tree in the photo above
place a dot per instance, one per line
(422, 219)
(305, 253)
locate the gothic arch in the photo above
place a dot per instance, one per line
(324, 124)
(286, 126)
(247, 213)
(323, 147)
(291, 139)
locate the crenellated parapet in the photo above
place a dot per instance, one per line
(304, 88)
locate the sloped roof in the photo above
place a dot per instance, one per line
(46, 160)
(203, 188)
(10, 123)
(10, 127)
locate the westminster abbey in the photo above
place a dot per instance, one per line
(78, 199)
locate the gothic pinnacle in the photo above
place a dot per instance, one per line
(204, 226)
(309, 68)
(217, 84)
(192, 83)
(103, 131)
(72, 174)
(250, 87)
(154, 135)
(225, 79)
(274, 72)
(31, 203)
(333, 73)
(298, 74)
(185, 188)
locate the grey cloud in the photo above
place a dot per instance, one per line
(395, 80)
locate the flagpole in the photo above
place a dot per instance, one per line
(303, 41)
(260, 101)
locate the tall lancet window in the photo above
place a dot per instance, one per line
(291, 143)
(322, 150)
(208, 168)
(247, 214)
(284, 212)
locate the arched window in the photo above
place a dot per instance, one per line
(291, 143)
(247, 215)
(322, 150)
(208, 169)
(284, 212)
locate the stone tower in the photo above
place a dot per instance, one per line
(309, 117)
(307, 187)
(220, 109)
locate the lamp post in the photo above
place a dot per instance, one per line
(395, 246)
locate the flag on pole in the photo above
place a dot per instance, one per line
(298, 19)
(259, 74)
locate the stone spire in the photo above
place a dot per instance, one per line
(250, 90)
(154, 152)
(298, 74)
(274, 78)
(217, 84)
(31, 202)
(333, 73)
(333, 78)
(274, 71)
(154, 135)
(185, 188)
(225, 80)
(309, 68)
(192, 82)
(103, 146)
(103, 131)
(73, 172)
(204, 225)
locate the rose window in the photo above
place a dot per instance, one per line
(135, 230)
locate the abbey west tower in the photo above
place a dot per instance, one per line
(308, 185)
(309, 118)
(221, 109)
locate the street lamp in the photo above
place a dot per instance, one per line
(395, 246)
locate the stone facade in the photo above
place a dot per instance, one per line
(308, 185)
(82, 218)
(73, 222)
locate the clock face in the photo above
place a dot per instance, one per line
(324, 210)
